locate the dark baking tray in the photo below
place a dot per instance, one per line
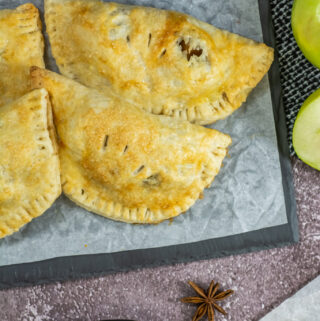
(75, 267)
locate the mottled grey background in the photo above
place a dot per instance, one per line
(246, 195)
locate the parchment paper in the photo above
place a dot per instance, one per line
(246, 195)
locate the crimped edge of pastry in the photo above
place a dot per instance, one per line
(30, 23)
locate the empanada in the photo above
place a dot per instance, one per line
(21, 46)
(124, 163)
(29, 162)
(163, 61)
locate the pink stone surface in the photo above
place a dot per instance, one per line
(262, 280)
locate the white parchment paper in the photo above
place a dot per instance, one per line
(247, 194)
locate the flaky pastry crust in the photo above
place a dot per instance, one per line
(165, 62)
(29, 162)
(21, 46)
(123, 163)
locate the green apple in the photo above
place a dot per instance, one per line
(305, 23)
(306, 131)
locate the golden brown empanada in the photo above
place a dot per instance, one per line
(29, 162)
(21, 46)
(165, 62)
(124, 163)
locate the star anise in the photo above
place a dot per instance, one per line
(207, 301)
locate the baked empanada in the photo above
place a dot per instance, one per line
(21, 46)
(163, 61)
(126, 164)
(29, 162)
